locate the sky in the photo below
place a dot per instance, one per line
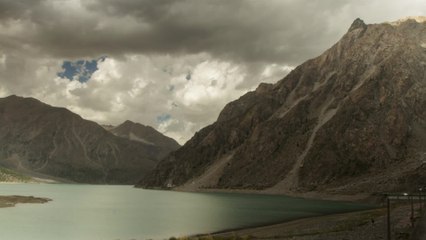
(170, 64)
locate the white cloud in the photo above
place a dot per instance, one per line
(138, 88)
(271, 73)
(211, 81)
(3, 92)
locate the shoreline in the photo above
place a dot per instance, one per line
(244, 230)
(267, 225)
(12, 200)
(364, 224)
(357, 198)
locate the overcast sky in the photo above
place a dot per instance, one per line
(169, 64)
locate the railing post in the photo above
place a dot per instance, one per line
(420, 200)
(388, 218)
(412, 211)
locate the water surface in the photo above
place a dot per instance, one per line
(122, 212)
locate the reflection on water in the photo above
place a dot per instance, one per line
(122, 212)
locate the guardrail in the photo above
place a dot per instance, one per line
(414, 198)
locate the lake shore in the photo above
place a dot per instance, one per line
(11, 201)
(358, 198)
(366, 225)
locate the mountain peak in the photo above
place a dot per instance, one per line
(358, 23)
(145, 134)
(16, 97)
(13, 96)
(128, 123)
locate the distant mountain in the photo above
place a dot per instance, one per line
(107, 126)
(44, 141)
(349, 121)
(145, 134)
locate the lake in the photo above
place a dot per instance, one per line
(122, 212)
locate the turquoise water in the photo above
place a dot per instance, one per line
(80, 212)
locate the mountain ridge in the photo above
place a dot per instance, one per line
(39, 140)
(146, 134)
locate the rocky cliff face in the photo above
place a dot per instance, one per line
(351, 120)
(146, 135)
(41, 140)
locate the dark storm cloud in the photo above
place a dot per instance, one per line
(240, 30)
(270, 31)
(15, 9)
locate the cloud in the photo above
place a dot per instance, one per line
(15, 9)
(156, 90)
(231, 29)
(284, 31)
(182, 59)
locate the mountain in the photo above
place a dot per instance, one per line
(107, 126)
(50, 142)
(352, 120)
(145, 134)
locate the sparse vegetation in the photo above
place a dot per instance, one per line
(7, 175)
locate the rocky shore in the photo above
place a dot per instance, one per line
(11, 201)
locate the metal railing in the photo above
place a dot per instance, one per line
(413, 197)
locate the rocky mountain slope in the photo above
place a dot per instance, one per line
(147, 135)
(352, 120)
(44, 141)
